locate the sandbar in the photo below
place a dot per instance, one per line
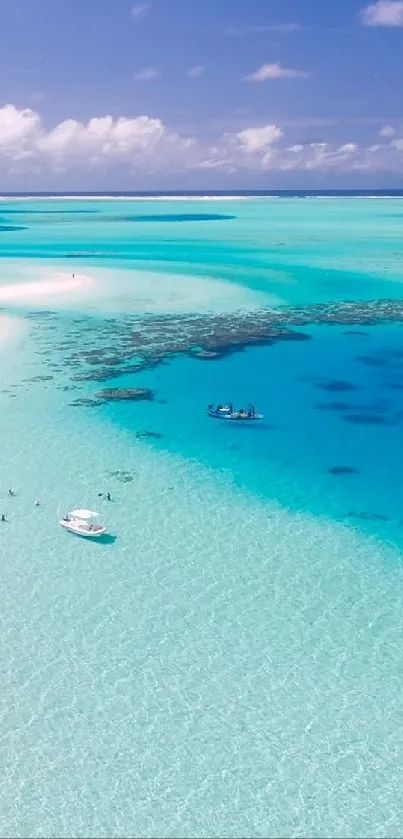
(57, 284)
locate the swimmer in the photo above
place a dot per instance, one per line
(3, 518)
(37, 503)
(108, 496)
(11, 492)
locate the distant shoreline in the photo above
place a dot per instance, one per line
(202, 195)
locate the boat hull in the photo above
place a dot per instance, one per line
(78, 531)
(233, 417)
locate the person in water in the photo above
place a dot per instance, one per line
(3, 518)
(108, 496)
(11, 492)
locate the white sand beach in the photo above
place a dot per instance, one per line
(54, 285)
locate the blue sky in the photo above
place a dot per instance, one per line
(220, 93)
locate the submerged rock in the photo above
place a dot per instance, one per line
(367, 419)
(367, 516)
(206, 354)
(336, 386)
(141, 435)
(343, 470)
(125, 394)
(334, 406)
(84, 402)
(105, 350)
(39, 379)
(122, 476)
(372, 360)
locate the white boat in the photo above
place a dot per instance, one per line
(226, 412)
(79, 522)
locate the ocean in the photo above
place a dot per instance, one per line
(228, 661)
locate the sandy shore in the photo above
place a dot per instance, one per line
(54, 285)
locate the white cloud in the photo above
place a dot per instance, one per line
(387, 131)
(145, 144)
(140, 10)
(102, 136)
(17, 128)
(195, 72)
(275, 71)
(148, 74)
(383, 13)
(257, 139)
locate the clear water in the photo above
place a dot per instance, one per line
(229, 662)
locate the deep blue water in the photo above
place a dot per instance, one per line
(330, 443)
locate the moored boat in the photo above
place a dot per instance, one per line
(227, 412)
(79, 522)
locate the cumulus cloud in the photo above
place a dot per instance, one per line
(256, 139)
(275, 71)
(140, 10)
(145, 144)
(102, 136)
(147, 74)
(195, 72)
(383, 13)
(387, 131)
(18, 128)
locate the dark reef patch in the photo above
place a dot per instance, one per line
(85, 402)
(336, 386)
(367, 419)
(357, 332)
(102, 350)
(205, 354)
(122, 476)
(46, 313)
(335, 406)
(175, 217)
(9, 228)
(367, 516)
(343, 470)
(372, 360)
(39, 379)
(125, 394)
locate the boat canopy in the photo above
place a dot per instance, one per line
(83, 514)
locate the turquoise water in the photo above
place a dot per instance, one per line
(229, 662)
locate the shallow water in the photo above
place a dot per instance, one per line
(228, 663)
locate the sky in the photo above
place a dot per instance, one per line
(200, 94)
